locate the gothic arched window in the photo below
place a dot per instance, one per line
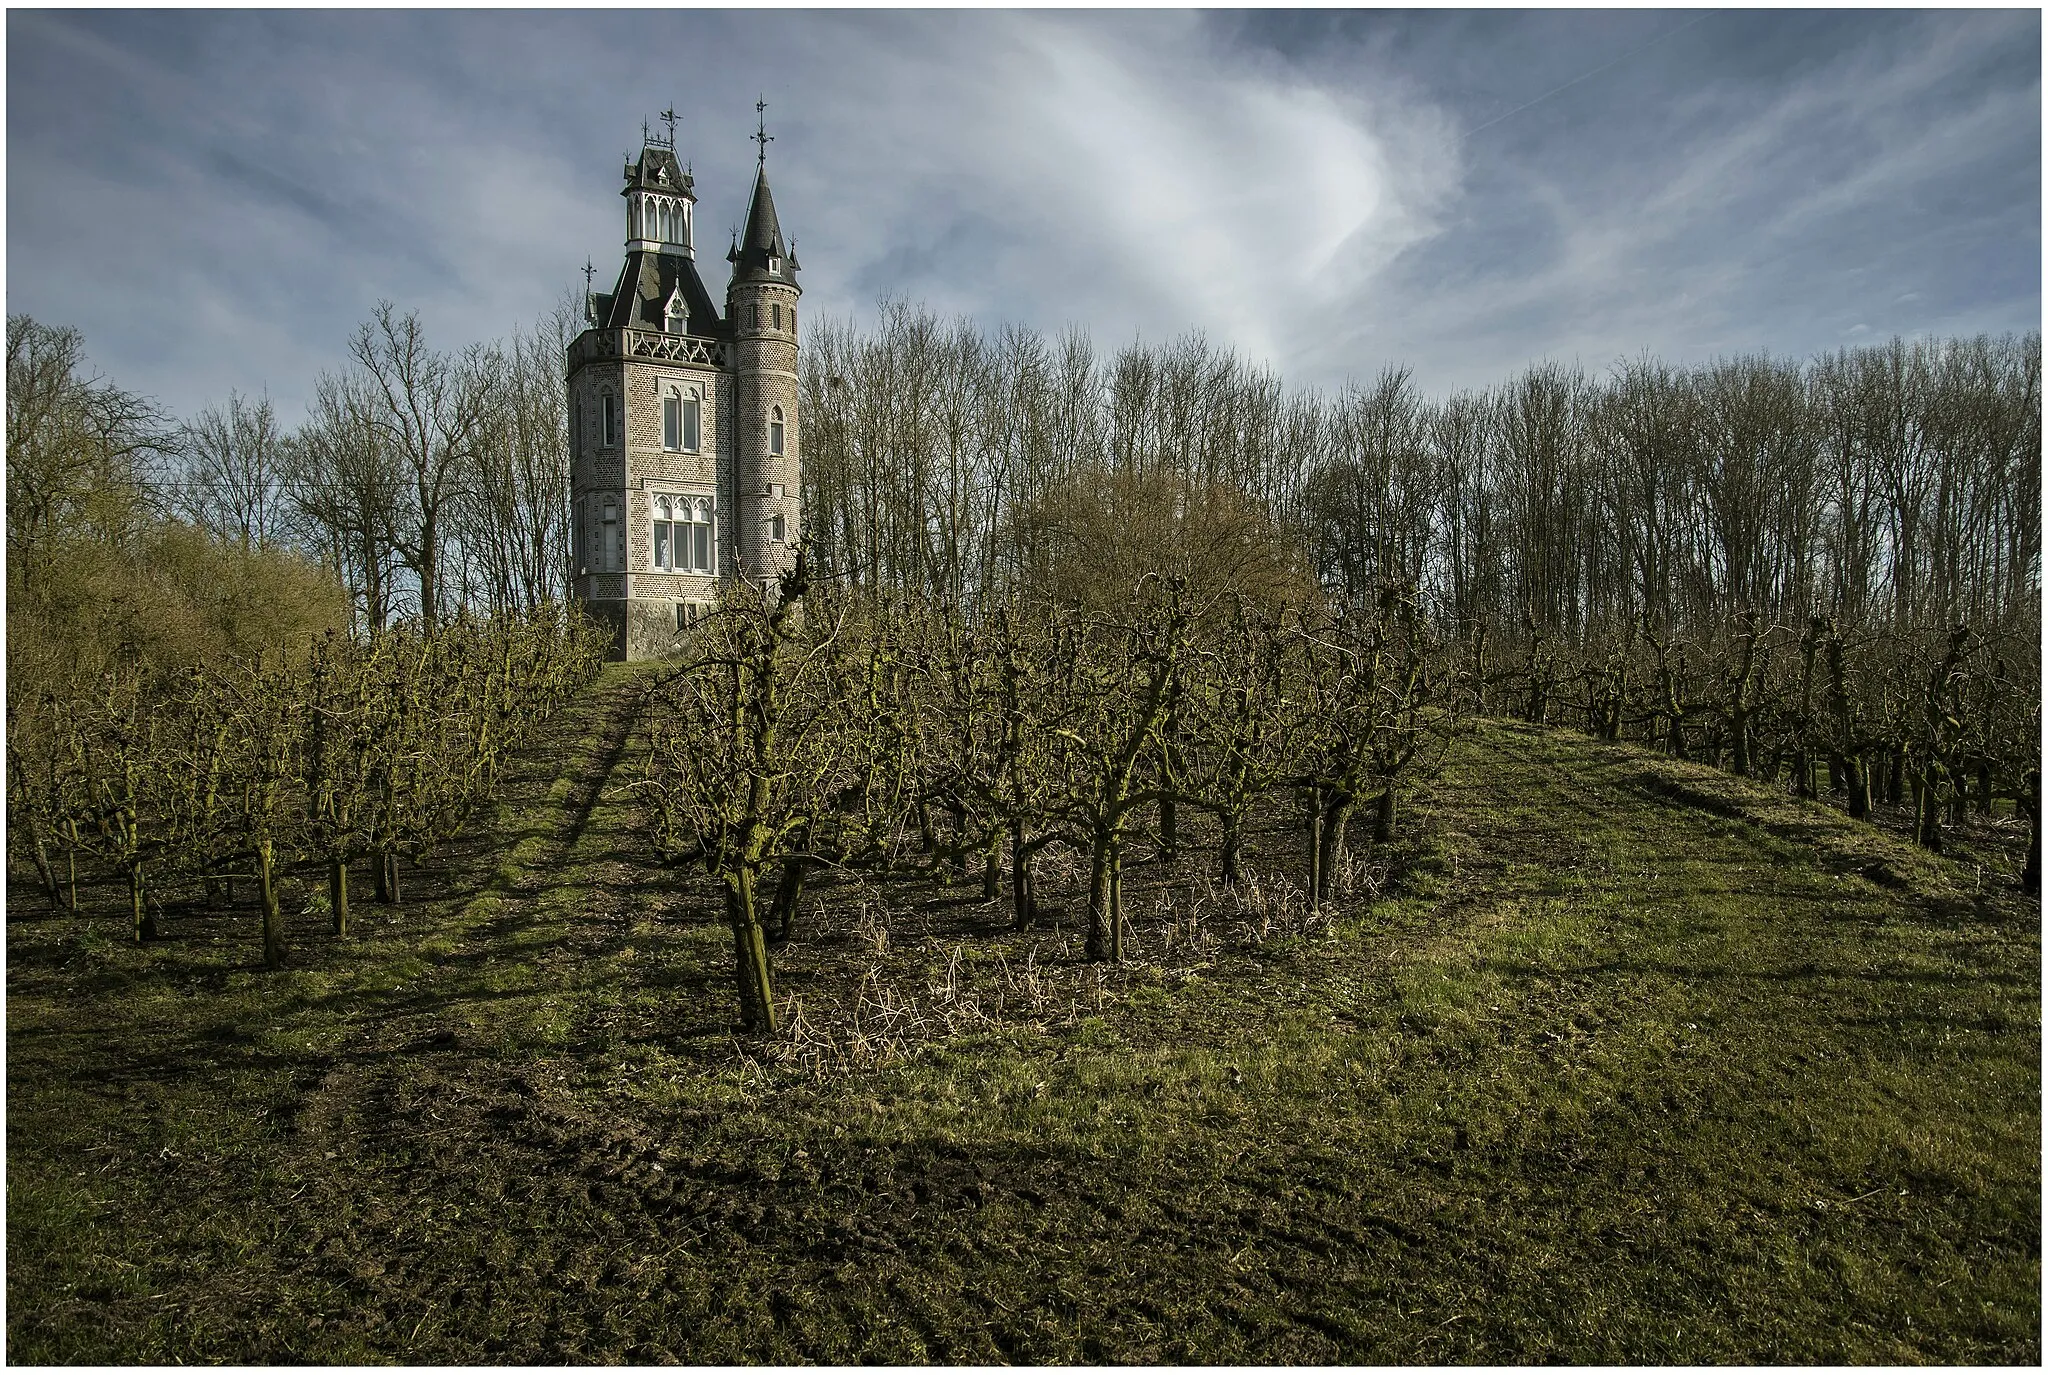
(664, 535)
(672, 420)
(702, 543)
(610, 422)
(775, 431)
(610, 547)
(693, 421)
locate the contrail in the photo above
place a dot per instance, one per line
(1589, 75)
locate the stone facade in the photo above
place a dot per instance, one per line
(656, 349)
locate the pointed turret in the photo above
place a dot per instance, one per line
(763, 255)
(761, 307)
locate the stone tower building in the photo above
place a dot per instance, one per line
(683, 451)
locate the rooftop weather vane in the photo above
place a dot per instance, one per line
(761, 134)
(668, 117)
(589, 272)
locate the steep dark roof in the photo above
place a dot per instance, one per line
(762, 240)
(641, 298)
(658, 170)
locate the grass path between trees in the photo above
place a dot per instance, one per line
(1631, 1061)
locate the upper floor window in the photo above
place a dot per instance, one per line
(681, 419)
(775, 313)
(611, 544)
(775, 267)
(609, 421)
(775, 431)
(778, 528)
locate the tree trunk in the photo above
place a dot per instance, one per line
(1023, 903)
(789, 890)
(1169, 829)
(145, 920)
(2028, 803)
(71, 866)
(1336, 817)
(1098, 946)
(1383, 817)
(750, 950)
(1233, 850)
(992, 868)
(1856, 776)
(958, 815)
(337, 894)
(1927, 805)
(1984, 787)
(380, 877)
(1116, 908)
(273, 914)
(1738, 745)
(1315, 844)
(1895, 785)
(45, 871)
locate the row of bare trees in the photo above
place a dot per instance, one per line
(1945, 719)
(812, 727)
(1897, 484)
(367, 748)
(426, 481)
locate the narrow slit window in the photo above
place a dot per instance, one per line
(672, 421)
(775, 432)
(693, 421)
(610, 420)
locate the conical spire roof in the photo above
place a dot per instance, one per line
(762, 242)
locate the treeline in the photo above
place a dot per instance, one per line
(1896, 485)
(181, 780)
(421, 482)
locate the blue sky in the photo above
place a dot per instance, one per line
(216, 199)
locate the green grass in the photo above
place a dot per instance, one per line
(1632, 1062)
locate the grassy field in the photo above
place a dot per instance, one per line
(1618, 1060)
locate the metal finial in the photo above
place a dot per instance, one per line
(589, 271)
(761, 134)
(643, 133)
(668, 117)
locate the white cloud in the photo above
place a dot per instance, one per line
(1140, 179)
